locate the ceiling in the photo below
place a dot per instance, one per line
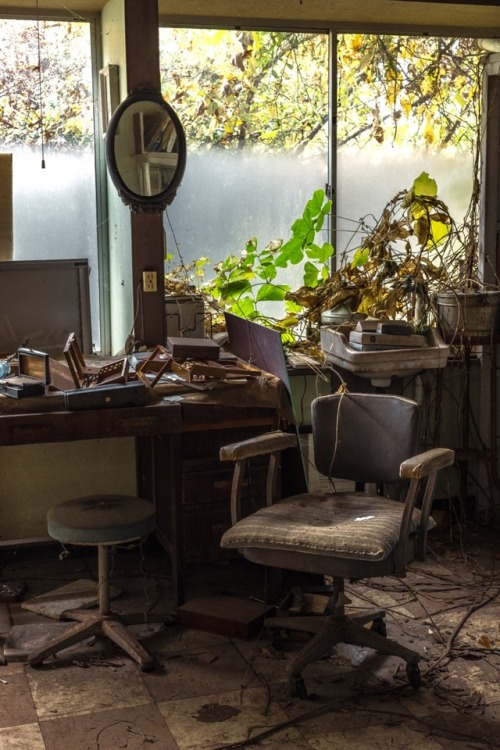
(470, 14)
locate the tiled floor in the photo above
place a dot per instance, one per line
(208, 691)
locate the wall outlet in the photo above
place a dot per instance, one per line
(149, 281)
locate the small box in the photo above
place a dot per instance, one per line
(190, 348)
(106, 396)
(33, 375)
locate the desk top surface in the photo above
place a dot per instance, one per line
(45, 418)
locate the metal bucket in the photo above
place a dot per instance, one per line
(474, 315)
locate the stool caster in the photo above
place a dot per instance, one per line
(379, 627)
(298, 688)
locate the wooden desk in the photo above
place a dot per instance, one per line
(194, 512)
(177, 465)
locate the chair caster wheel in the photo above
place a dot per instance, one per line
(277, 641)
(298, 688)
(413, 672)
(379, 627)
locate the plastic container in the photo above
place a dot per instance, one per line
(381, 366)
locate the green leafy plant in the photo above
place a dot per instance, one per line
(243, 284)
(413, 251)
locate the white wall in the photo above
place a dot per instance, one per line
(35, 477)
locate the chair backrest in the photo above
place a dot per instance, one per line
(364, 437)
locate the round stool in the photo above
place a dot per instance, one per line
(101, 521)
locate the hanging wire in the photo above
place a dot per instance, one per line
(40, 92)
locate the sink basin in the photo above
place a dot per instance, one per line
(381, 366)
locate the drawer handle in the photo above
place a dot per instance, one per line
(30, 429)
(132, 422)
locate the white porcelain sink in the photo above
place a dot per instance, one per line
(381, 366)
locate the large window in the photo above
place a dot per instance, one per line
(47, 124)
(257, 108)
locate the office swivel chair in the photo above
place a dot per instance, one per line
(370, 439)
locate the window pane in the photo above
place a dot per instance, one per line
(255, 108)
(46, 112)
(406, 105)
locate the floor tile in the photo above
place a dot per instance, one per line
(375, 738)
(70, 690)
(25, 737)
(212, 721)
(199, 671)
(179, 640)
(16, 702)
(133, 728)
(25, 637)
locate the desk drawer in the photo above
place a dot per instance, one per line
(204, 526)
(33, 428)
(215, 486)
(206, 499)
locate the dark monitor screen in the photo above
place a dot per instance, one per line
(42, 302)
(258, 345)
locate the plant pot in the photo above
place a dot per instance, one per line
(469, 315)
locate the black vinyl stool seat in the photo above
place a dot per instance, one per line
(101, 521)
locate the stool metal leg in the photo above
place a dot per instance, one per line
(100, 623)
(103, 582)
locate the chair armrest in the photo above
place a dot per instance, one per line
(425, 463)
(262, 445)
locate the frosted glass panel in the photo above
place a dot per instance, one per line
(368, 178)
(55, 212)
(227, 198)
(49, 115)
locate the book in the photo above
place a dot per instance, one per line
(395, 327)
(385, 339)
(375, 347)
(368, 324)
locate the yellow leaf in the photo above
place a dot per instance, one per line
(484, 641)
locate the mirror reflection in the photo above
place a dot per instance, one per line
(146, 151)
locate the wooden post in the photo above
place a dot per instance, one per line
(6, 214)
(148, 251)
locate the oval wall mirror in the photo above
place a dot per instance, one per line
(145, 151)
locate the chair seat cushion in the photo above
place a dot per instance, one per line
(351, 525)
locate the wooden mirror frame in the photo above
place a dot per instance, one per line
(136, 147)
